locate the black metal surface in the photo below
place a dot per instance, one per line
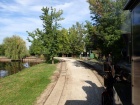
(123, 69)
(121, 85)
(136, 55)
(131, 4)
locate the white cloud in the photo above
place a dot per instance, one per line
(64, 6)
(74, 12)
(8, 7)
(36, 8)
(19, 26)
(26, 2)
(19, 16)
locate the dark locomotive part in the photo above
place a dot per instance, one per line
(127, 70)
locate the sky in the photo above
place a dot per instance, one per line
(19, 16)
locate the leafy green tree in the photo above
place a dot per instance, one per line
(15, 47)
(108, 16)
(50, 18)
(36, 47)
(2, 50)
(90, 37)
(49, 35)
(76, 34)
(63, 40)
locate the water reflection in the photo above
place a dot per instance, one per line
(26, 64)
(9, 68)
(3, 73)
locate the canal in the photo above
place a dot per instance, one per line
(9, 68)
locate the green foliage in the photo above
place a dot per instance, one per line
(15, 47)
(76, 35)
(63, 40)
(109, 17)
(2, 49)
(91, 37)
(47, 38)
(36, 47)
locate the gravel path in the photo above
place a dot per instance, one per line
(76, 85)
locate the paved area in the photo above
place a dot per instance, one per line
(77, 85)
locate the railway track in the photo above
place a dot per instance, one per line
(74, 86)
(56, 92)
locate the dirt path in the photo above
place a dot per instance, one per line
(76, 85)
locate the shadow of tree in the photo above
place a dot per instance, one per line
(93, 95)
(90, 65)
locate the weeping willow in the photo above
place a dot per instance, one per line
(15, 47)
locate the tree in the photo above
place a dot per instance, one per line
(36, 47)
(15, 47)
(108, 16)
(76, 34)
(2, 50)
(63, 40)
(49, 35)
(90, 37)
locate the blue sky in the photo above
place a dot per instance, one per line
(19, 16)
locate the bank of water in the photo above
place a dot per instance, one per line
(24, 87)
(9, 68)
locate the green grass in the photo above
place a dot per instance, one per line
(24, 87)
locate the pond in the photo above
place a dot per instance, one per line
(9, 68)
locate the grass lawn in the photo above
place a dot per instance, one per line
(24, 87)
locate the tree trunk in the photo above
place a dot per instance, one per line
(52, 60)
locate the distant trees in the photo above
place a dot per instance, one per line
(91, 38)
(2, 49)
(15, 47)
(76, 36)
(53, 39)
(63, 42)
(103, 34)
(36, 47)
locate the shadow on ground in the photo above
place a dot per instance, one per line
(123, 88)
(90, 65)
(93, 95)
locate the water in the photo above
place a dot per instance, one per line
(9, 68)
